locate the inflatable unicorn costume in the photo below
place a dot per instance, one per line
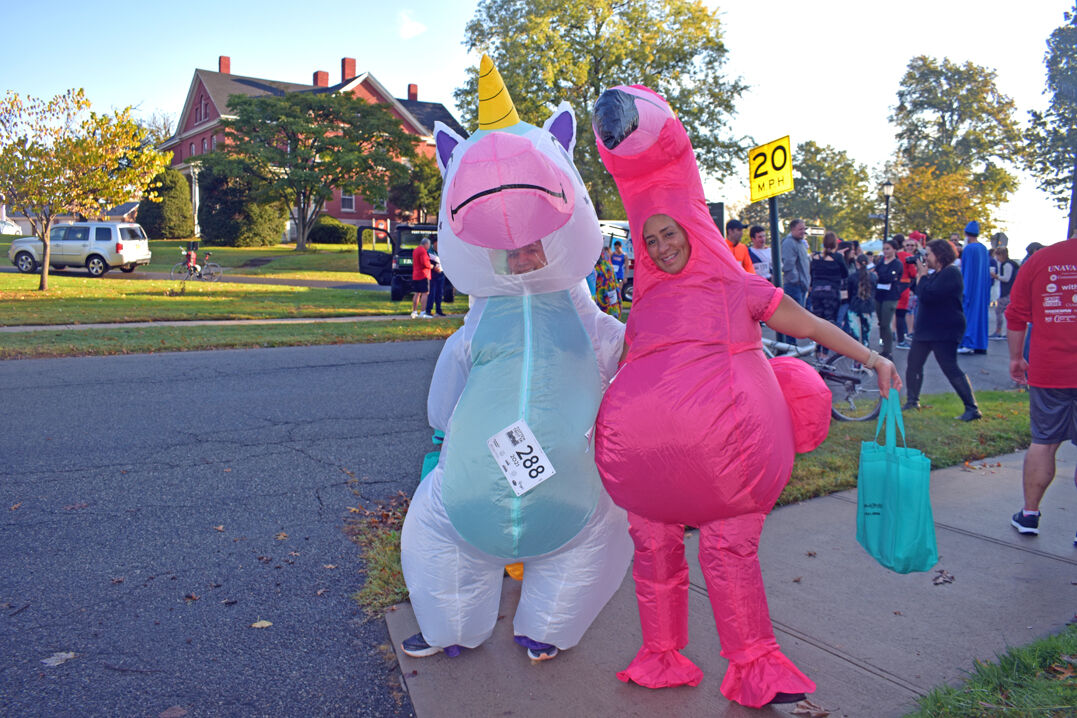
(695, 430)
(516, 391)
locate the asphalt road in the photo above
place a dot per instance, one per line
(131, 485)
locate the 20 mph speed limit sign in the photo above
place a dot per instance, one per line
(770, 169)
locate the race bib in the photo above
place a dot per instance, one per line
(520, 457)
(883, 287)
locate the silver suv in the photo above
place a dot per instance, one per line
(98, 246)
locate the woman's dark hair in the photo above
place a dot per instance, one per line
(942, 251)
(895, 242)
(863, 287)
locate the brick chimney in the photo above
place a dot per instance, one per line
(321, 78)
(347, 68)
(413, 92)
(224, 64)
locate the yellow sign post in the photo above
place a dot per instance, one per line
(770, 169)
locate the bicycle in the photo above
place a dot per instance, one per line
(209, 271)
(855, 393)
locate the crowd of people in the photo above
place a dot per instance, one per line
(924, 295)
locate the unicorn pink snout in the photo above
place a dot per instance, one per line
(507, 194)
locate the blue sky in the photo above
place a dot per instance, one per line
(826, 70)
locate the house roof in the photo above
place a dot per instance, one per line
(429, 112)
(219, 85)
(121, 210)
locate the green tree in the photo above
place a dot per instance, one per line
(1052, 134)
(420, 193)
(830, 190)
(173, 216)
(573, 50)
(930, 200)
(953, 118)
(228, 216)
(295, 150)
(58, 157)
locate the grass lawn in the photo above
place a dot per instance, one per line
(1038, 680)
(83, 300)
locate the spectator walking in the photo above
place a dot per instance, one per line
(861, 287)
(759, 251)
(796, 263)
(847, 256)
(888, 270)
(421, 268)
(975, 272)
(828, 275)
(437, 282)
(940, 324)
(1048, 371)
(907, 254)
(617, 259)
(734, 230)
(1007, 272)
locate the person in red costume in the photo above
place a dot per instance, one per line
(687, 383)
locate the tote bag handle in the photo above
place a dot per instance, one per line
(890, 412)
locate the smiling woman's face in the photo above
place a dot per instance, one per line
(667, 246)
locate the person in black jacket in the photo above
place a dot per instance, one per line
(889, 270)
(940, 325)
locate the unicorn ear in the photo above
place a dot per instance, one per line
(445, 140)
(562, 125)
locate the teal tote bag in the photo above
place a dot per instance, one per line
(893, 519)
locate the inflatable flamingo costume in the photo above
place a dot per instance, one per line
(695, 428)
(518, 233)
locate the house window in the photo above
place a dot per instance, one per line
(203, 144)
(213, 142)
(191, 153)
(347, 202)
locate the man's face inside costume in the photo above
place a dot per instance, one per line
(526, 259)
(666, 243)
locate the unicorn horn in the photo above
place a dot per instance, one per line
(496, 110)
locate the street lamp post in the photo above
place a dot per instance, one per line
(888, 190)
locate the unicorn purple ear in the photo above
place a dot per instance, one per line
(562, 125)
(445, 141)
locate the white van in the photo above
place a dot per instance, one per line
(98, 246)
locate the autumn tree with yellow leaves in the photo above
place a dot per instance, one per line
(58, 157)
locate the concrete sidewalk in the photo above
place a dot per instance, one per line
(871, 639)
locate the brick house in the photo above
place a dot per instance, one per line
(198, 130)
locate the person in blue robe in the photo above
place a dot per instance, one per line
(975, 270)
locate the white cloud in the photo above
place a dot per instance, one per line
(409, 26)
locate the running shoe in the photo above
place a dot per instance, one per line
(1027, 524)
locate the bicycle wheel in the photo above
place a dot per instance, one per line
(179, 271)
(211, 272)
(854, 389)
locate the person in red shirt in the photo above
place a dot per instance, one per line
(421, 267)
(734, 230)
(1044, 294)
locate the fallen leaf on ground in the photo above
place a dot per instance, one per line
(229, 602)
(190, 597)
(16, 506)
(320, 591)
(57, 658)
(293, 553)
(281, 536)
(1064, 672)
(352, 509)
(329, 565)
(227, 470)
(173, 712)
(219, 528)
(942, 576)
(261, 624)
(810, 554)
(797, 579)
(118, 579)
(898, 613)
(807, 708)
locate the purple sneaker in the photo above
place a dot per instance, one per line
(536, 650)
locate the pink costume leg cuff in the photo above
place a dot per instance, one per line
(661, 576)
(757, 668)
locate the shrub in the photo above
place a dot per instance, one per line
(229, 217)
(329, 230)
(172, 217)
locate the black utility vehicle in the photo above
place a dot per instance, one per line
(393, 268)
